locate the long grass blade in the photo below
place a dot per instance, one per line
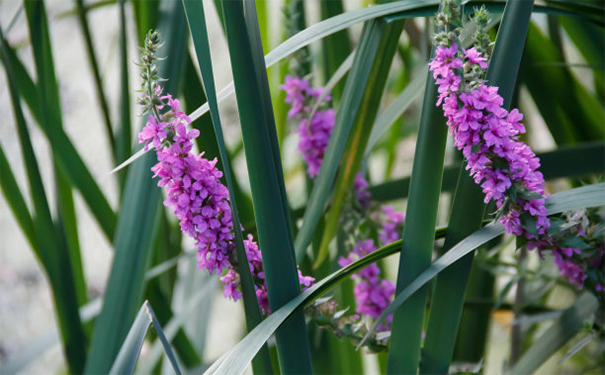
(197, 24)
(417, 245)
(123, 142)
(129, 352)
(335, 47)
(266, 179)
(94, 66)
(14, 198)
(468, 208)
(395, 110)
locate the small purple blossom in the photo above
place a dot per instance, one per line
(372, 294)
(201, 202)
(392, 225)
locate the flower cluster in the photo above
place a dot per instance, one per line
(372, 294)
(314, 131)
(392, 225)
(488, 136)
(193, 187)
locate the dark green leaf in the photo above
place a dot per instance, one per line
(266, 178)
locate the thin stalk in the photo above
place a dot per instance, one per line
(92, 59)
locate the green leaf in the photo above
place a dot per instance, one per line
(417, 244)
(266, 178)
(14, 198)
(197, 24)
(129, 352)
(139, 218)
(563, 330)
(336, 47)
(123, 142)
(202, 296)
(395, 110)
(94, 66)
(468, 207)
(352, 128)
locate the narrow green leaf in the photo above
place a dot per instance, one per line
(129, 352)
(14, 198)
(468, 207)
(128, 355)
(139, 218)
(417, 245)
(123, 142)
(395, 110)
(353, 125)
(336, 47)
(563, 330)
(266, 178)
(203, 294)
(67, 233)
(197, 24)
(94, 66)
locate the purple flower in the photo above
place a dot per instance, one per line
(392, 225)
(474, 57)
(372, 294)
(314, 138)
(153, 132)
(201, 202)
